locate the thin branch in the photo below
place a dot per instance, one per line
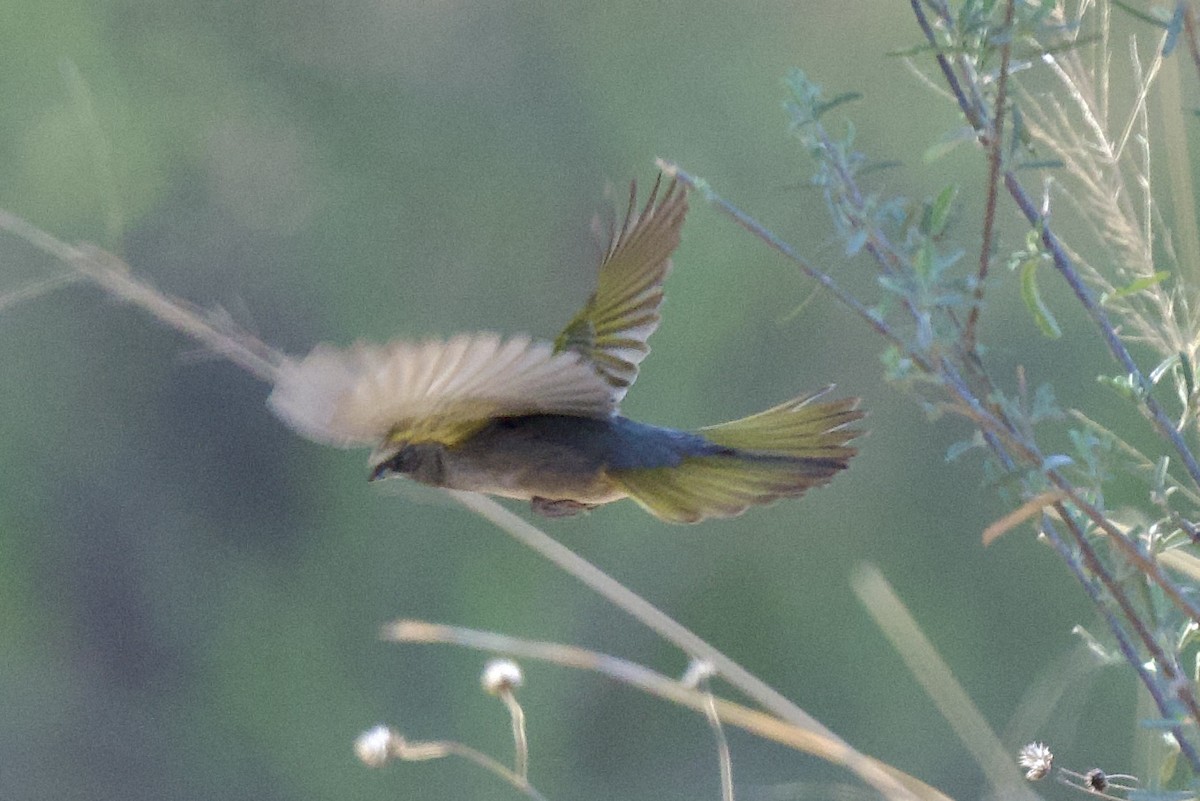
(1170, 669)
(115, 277)
(1116, 347)
(1190, 34)
(36, 289)
(672, 631)
(848, 300)
(768, 727)
(399, 747)
(1128, 650)
(973, 118)
(995, 140)
(1065, 266)
(1030, 455)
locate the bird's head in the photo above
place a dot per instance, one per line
(420, 461)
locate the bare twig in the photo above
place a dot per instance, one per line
(672, 631)
(1190, 34)
(872, 319)
(115, 277)
(805, 739)
(995, 142)
(1124, 641)
(382, 744)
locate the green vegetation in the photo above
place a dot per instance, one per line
(192, 596)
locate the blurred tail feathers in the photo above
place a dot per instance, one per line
(778, 453)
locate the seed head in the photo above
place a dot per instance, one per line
(501, 676)
(1037, 759)
(376, 746)
(1096, 780)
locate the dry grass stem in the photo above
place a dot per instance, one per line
(816, 742)
(935, 676)
(383, 744)
(1026, 511)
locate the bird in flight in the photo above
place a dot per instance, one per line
(540, 420)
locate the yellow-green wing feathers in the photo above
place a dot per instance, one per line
(612, 328)
(436, 390)
(779, 453)
(804, 427)
(718, 486)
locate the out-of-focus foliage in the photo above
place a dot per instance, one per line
(190, 596)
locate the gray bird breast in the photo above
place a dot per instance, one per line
(559, 457)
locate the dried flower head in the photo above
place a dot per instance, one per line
(1096, 780)
(1037, 759)
(501, 676)
(376, 746)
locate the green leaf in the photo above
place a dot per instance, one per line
(876, 166)
(1041, 164)
(833, 102)
(1107, 656)
(1162, 367)
(948, 142)
(963, 445)
(1045, 405)
(1057, 461)
(1189, 374)
(938, 213)
(897, 365)
(1033, 300)
(915, 50)
(856, 241)
(922, 260)
(1123, 384)
(1160, 472)
(1142, 15)
(1020, 137)
(894, 285)
(1135, 286)
(1066, 46)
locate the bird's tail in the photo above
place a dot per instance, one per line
(773, 454)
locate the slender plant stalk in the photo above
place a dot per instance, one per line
(995, 143)
(672, 631)
(935, 676)
(762, 724)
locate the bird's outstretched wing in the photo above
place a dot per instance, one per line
(433, 391)
(612, 328)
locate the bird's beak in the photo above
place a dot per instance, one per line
(379, 461)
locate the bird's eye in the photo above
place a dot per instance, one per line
(390, 467)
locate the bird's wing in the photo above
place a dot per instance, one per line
(611, 330)
(440, 391)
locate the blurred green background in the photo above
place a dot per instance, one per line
(190, 594)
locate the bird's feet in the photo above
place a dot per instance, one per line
(564, 507)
